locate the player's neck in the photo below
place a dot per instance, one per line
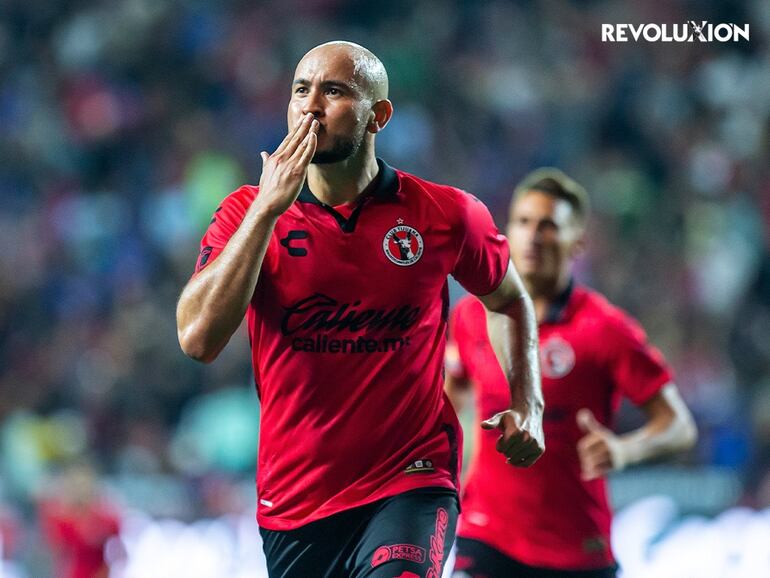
(545, 292)
(338, 183)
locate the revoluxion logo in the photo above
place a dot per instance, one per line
(690, 31)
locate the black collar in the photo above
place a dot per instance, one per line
(558, 305)
(384, 186)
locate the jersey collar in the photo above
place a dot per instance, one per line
(384, 187)
(558, 307)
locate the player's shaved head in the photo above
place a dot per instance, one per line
(367, 70)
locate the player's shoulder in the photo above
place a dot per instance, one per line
(242, 197)
(231, 211)
(614, 320)
(447, 196)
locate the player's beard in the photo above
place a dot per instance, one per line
(341, 148)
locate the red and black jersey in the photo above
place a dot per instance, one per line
(347, 327)
(591, 354)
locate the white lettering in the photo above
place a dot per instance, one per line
(652, 33)
(723, 32)
(636, 32)
(689, 31)
(741, 32)
(681, 33)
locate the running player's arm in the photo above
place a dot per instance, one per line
(640, 373)
(669, 428)
(512, 329)
(214, 301)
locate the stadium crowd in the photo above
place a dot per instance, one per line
(125, 123)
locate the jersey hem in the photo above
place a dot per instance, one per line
(284, 524)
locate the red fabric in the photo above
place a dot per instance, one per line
(77, 535)
(546, 515)
(348, 344)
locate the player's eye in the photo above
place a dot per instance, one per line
(300, 90)
(333, 91)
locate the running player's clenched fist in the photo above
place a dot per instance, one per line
(284, 171)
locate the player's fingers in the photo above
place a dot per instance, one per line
(593, 471)
(522, 448)
(527, 459)
(309, 150)
(295, 136)
(589, 442)
(308, 142)
(510, 442)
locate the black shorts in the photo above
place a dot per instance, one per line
(476, 559)
(406, 536)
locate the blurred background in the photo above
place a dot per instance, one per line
(124, 123)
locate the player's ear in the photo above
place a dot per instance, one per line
(578, 245)
(381, 112)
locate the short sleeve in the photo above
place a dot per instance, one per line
(483, 255)
(638, 369)
(224, 223)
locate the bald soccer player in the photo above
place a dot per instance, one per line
(553, 520)
(339, 263)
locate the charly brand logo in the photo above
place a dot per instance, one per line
(403, 244)
(311, 320)
(690, 31)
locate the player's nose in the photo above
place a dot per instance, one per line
(313, 104)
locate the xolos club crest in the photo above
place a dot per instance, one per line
(403, 245)
(557, 358)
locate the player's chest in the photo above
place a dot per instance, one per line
(571, 365)
(389, 249)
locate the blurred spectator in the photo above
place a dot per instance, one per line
(77, 521)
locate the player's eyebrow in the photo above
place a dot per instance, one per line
(350, 87)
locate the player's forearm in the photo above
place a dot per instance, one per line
(512, 330)
(668, 431)
(214, 302)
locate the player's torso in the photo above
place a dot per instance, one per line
(573, 369)
(330, 288)
(561, 513)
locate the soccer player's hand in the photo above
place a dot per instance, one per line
(284, 171)
(522, 440)
(599, 449)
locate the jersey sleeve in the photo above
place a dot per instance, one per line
(638, 369)
(483, 255)
(224, 223)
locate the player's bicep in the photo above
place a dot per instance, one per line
(507, 292)
(483, 255)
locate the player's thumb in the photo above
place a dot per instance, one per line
(588, 423)
(264, 156)
(493, 422)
